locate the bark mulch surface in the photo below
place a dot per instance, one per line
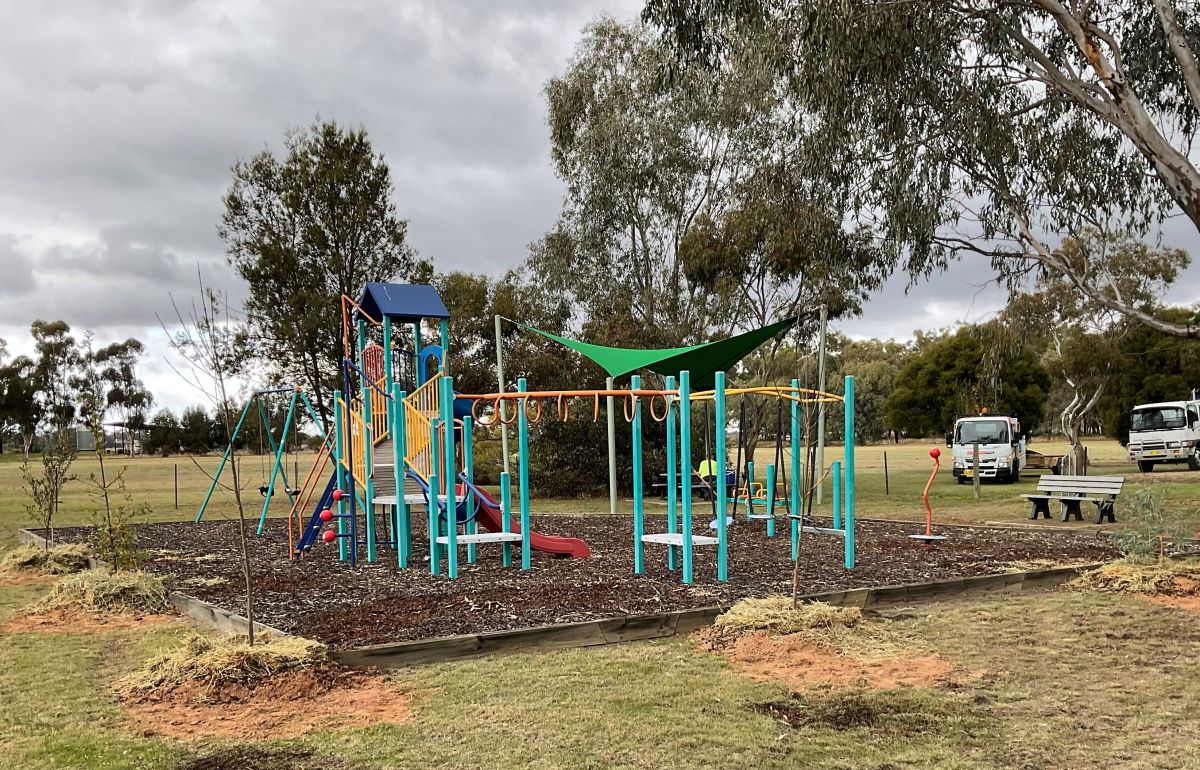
(322, 598)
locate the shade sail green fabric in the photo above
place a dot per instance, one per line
(701, 361)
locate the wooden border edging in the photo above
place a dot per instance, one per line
(207, 615)
(641, 627)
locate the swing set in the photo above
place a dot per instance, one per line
(277, 479)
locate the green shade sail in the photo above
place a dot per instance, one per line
(702, 361)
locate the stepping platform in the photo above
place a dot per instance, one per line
(411, 499)
(483, 537)
(676, 538)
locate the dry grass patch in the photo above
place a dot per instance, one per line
(278, 688)
(1171, 578)
(99, 591)
(59, 560)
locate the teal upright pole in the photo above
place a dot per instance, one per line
(417, 353)
(722, 492)
(224, 459)
(672, 476)
(469, 470)
(506, 515)
(339, 456)
(639, 548)
(450, 475)
(523, 474)
(835, 473)
(685, 469)
(796, 508)
(287, 425)
(444, 327)
(848, 485)
(435, 462)
(749, 488)
(403, 524)
(770, 500)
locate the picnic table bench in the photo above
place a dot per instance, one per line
(1070, 491)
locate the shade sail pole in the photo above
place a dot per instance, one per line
(612, 450)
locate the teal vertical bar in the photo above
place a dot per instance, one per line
(387, 355)
(339, 445)
(224, 459)
(399, 450)
(770, 500)
(835, 472)
(639, 548)
(848, 486)
(417, 353)
(795, 509)
(434, 515)
(468, 469)
(523, 476)
(722, 492)
(445, 334)
(749, 488)
(506, 515)
(685, 469)
(672, 477)
(287, 425)
(450, 474)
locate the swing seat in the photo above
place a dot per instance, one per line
(262, 490)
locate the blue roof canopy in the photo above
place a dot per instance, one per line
(402, 301)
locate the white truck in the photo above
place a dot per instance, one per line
(1166, 432)
(1001, 447)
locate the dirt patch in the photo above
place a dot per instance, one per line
(253, 758)
(286, 705)
(79, 622)
(903, 712)
(15, 578)
(800, 663)
(1186, 602)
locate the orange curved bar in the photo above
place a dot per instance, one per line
(937, 464)
(666, 408)
(537, 416)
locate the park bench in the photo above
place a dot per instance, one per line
(1070, 491)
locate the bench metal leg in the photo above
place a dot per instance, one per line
(1070, 507)
(1106, 510)
(1038, 508)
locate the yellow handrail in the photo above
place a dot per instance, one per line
(379, 411)
(420, 408)
(354, 431)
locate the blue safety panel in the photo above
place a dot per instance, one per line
(402, 301)
(313, 529)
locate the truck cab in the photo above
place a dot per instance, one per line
(1165, 432)
(1001, 447)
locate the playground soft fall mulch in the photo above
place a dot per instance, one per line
(323, 598)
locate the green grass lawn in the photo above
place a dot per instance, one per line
(1064, 680)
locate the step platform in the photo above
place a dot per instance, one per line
(676, 538)
(483, 537)
(413, 499)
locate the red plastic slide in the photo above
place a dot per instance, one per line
(489, 518)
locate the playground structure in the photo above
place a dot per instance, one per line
(401, 440)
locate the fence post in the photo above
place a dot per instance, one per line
(975, 469)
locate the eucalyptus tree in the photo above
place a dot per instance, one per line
(991, 128)
(305, 229)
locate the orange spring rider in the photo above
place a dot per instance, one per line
(927, 537)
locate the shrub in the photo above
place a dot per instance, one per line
(1156, 529)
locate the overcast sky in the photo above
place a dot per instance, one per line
(121, 119)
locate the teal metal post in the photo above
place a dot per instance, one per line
(523, 474)
(339, 447)
(639, 548)
(444, 327)
(848, 486)
(749, 489)
(449, 475)
(672, 476)
(287, 425)
(403, 524)
(469, 470)
(685, 468)
(506, 515)
(224, 459)
(770, 500)
(722, 492)
(417, 353)
(796, 509)
(835, 472)
(434, 514)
